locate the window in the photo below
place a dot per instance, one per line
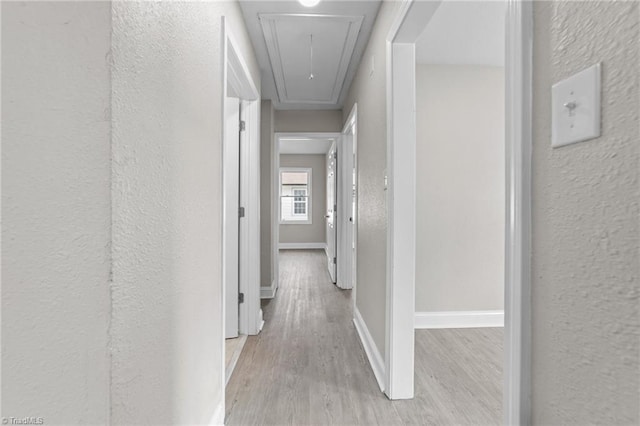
(295, 195)
(299, 201)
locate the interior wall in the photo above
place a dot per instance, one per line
(460, 188)
(315, 232)
(166, 328)
(368, 89)
(56, 211)
(308, 121)
(586, 236)
(266, 196)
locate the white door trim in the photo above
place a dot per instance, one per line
(346, 160)
(236, 75)
(411, 19)
(518, 118)
(250, 322)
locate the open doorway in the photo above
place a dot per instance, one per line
(241, 314)
(460, 207)
(304, 185)
(314, 185)
(412, 20)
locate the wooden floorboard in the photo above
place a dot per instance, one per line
(307, 365)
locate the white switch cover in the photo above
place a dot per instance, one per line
(575, 108)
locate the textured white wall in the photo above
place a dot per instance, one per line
(56, 211)
(586, 264)
(460, 184)
(316, 231)
(167, 99)
(308, 121)
(369, 91)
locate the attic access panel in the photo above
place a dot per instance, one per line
(287, 37)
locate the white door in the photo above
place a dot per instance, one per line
(331, 211)
(346, 216)
(231, 201)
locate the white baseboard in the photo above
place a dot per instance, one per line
(459, 319)
(268, 292)
(301, 246)
(260, 321)
(218, 415)
(235, 356)
(373, 354)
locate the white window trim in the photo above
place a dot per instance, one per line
(307, 170)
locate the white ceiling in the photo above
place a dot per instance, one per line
(304, 145)
(280, 31)
(464, 33)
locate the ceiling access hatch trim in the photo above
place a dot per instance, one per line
(290, 61)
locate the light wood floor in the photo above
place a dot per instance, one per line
(307, 365)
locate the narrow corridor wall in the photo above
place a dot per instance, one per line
(166, 328)
(308, 121)
(369, 90)
(56, 211)
(586, 232)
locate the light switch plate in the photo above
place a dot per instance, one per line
(575, 108)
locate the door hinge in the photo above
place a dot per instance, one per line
(241, 212)
(335, 155)
(335, 208)
(243, 126)
(335, 260)
(240, 297)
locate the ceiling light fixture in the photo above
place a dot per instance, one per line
(309, 3)
(311, 57)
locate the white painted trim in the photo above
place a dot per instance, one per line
(268, 293)
(519, 84)
(234, 358)
(217, 419)
(344, 197)
(250, 224)
(409, 23)
(275, 209)
(373, 354)
(302, 246)
(459, 319)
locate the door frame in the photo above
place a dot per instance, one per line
(236, 74)
(412, 18)
(345, 194)
(269, 293)
(332, 158)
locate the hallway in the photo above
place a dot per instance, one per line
(308, 367)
